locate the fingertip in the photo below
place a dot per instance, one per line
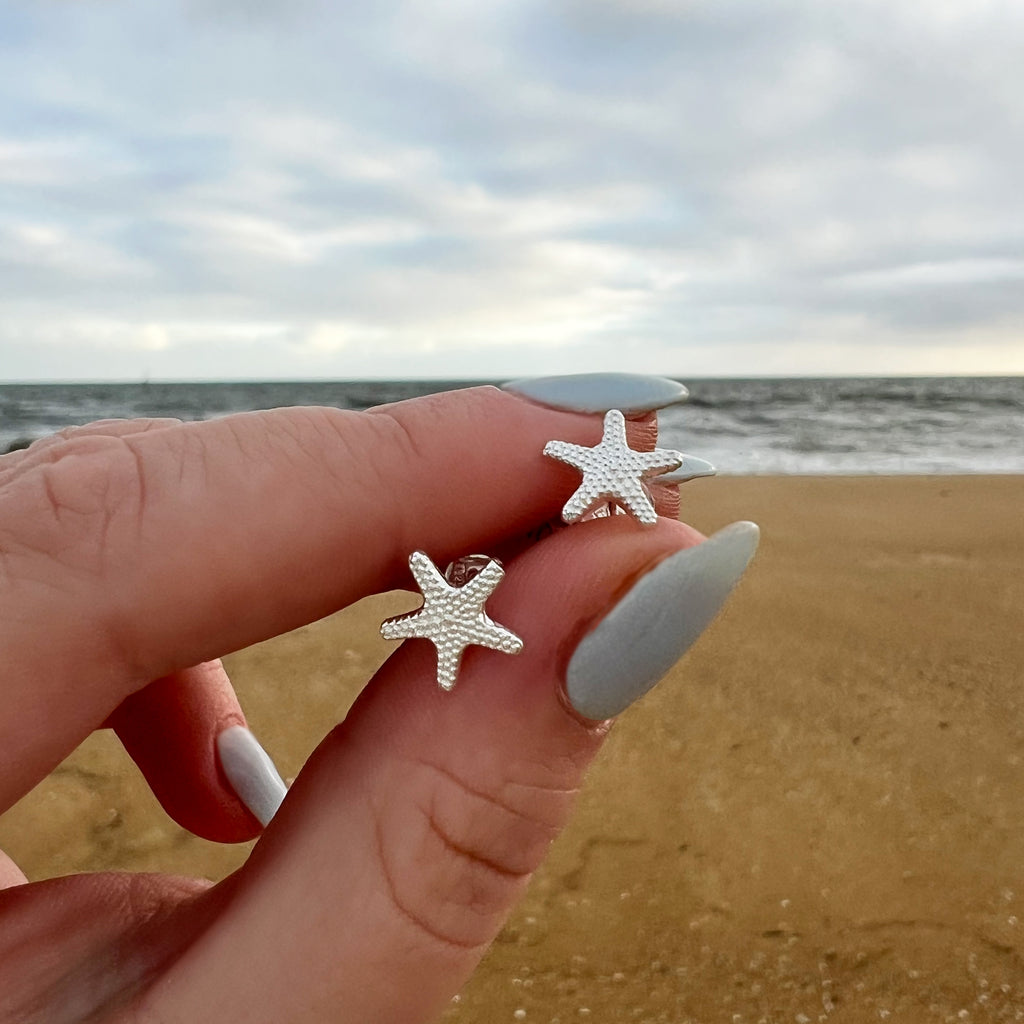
(251, 772)
(170, 730)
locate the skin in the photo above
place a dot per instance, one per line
(134, 553)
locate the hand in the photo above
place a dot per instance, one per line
(140, 551)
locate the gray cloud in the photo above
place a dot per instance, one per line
(462, 189)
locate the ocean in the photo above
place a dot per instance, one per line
(794, 426)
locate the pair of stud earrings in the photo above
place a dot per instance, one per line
(452, 616)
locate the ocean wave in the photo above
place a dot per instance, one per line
(790, 426)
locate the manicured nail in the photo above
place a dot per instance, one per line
(691, 468)
(631, 393)
(251, 772)
(656, 623)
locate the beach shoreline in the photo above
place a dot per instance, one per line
(817, 813)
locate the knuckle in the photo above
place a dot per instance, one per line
(505, 822)
(69, 500)
(406, 441)
(456, 865)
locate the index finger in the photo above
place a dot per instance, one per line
(125, 558)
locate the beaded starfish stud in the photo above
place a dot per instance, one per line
(452, 615)
(613, 473)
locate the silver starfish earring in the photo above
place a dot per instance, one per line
(452, 616)
(613, 473)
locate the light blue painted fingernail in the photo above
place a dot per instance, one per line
(656, 623)
(631, 393)
(691, 468)
(251, 772)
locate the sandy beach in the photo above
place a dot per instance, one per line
(818, 815)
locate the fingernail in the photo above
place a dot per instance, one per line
(656, 623)
(691, 468)
(631, 393)
(251, 772)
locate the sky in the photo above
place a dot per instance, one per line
(223, 189)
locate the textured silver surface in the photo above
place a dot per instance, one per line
(453, 617)
(613, 473)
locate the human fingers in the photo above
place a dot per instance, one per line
(416, 825)
(178, 730)
(187, 734)
(138, 555)
(77, 947)
(108, 428)
(170, 728)
(104, 428)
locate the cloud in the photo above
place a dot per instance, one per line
(447, 187)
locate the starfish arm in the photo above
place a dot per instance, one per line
(637, 501)
(426, 574)
(661, 460)
(498, 638)
(614, 429)
(578, 505)
(402, 627)
(449, 657)
(564, 451)
(482, 585)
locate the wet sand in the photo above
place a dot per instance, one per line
(818, 815)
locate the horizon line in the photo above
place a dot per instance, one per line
(142, 381)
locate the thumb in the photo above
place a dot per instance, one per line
(173, 730)
(416, 825)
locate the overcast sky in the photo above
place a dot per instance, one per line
(482, 188)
